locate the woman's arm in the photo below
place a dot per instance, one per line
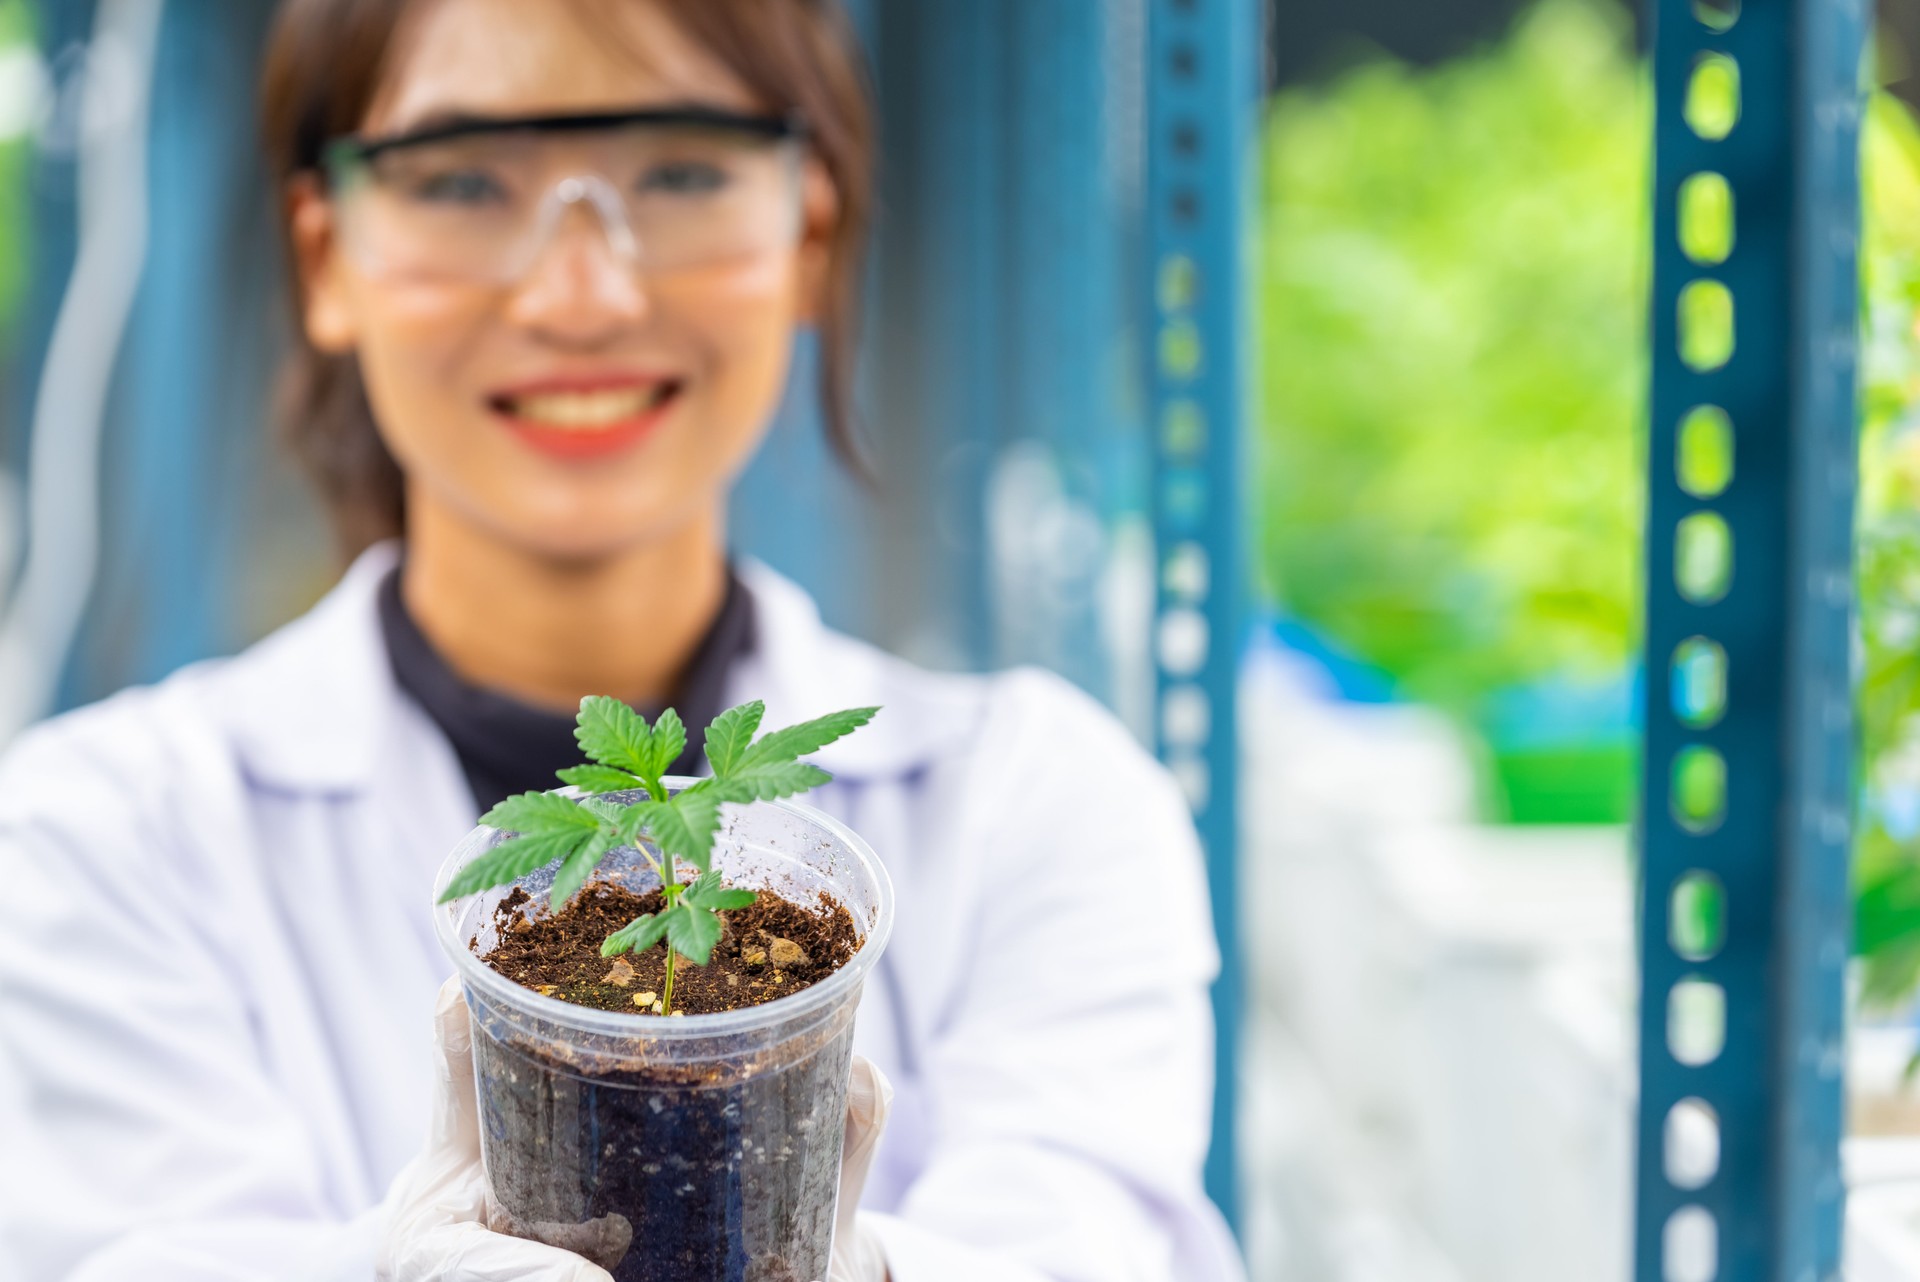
(1071, 1086)
(143, 1135)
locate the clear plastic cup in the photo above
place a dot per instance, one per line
(693, 1148)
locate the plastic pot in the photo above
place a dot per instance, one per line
(695, 1148)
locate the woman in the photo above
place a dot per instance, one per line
(552, 259)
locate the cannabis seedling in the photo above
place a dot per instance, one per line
(629, 755)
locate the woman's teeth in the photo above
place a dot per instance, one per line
(585, 411)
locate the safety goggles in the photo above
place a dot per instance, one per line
(479, 200)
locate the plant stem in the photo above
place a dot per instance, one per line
(670, 891)
(666, 993)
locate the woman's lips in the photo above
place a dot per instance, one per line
(585, 421)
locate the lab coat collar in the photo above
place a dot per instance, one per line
(310, 707)
(802, 669)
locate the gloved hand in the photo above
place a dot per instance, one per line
(857, 1256)
(439, 1207)
(436, 1221)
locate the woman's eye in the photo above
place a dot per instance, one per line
(683, 178)
(457, 187)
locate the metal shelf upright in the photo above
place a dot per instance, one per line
(1202, 90)
(1743, 909)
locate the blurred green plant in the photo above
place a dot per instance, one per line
(1452, 299)
(1887, 855)
(19, 85)
(1453, 313)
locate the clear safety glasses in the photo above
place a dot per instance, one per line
(480, 200)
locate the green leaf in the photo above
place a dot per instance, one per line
(766, 781)
(692, 932)
(668, 741)
(638, 935)
(730, 733)
(599, 779)
(613, 734)
(534, 814)
(808, 736)
(512, 859)
(685, 824)
(579, 866)
(635, 820)
(709, 893)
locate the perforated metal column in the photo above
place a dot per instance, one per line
(1201, 90)
(1744, 908)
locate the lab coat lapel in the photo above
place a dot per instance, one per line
(314, 710)
(802, 669)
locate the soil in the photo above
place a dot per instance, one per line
(769, 949)
(657, 1178)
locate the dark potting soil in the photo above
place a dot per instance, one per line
(712, 1171)
(769, 949)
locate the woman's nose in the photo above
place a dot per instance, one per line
(580, 290)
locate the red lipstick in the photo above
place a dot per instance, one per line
(585, 417)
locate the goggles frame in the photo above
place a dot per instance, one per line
(348, 149)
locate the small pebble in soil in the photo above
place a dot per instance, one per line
(620, 975)
(785, 952)
(750, 956)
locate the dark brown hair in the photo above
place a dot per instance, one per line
(325, 62)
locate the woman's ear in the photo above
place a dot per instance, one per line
(819, 226)
(316, 256)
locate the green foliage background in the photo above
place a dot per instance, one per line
(1451, 306)
(1452, 309)
(16, 29)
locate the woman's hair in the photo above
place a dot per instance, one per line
(325, 63)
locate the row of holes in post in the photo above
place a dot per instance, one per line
(1182, 639)
(1182, 635)
(1697, 674)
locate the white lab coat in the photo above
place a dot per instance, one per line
(217, 964)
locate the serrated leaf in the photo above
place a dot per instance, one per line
(533, 814)
(766, 781)
(599, 779)
(685, 824)
(709, 893)
(668, 741)
(809, 736)
(579, 866)
(635, 820)
(512, 859)
(638, 935)
(730, 733)
(692, 932)
(613, 734)
(610, 813)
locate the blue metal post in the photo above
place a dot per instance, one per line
(1744, 905)
(199, 359)
(1201, 94)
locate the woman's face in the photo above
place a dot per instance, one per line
(585, 408)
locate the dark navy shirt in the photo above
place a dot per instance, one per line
(506, 746)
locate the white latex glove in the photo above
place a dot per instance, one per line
(857, 1256)
(439, 1206)
(436, 1221)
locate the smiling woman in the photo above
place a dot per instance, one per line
(508, 268)
(551, 264)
